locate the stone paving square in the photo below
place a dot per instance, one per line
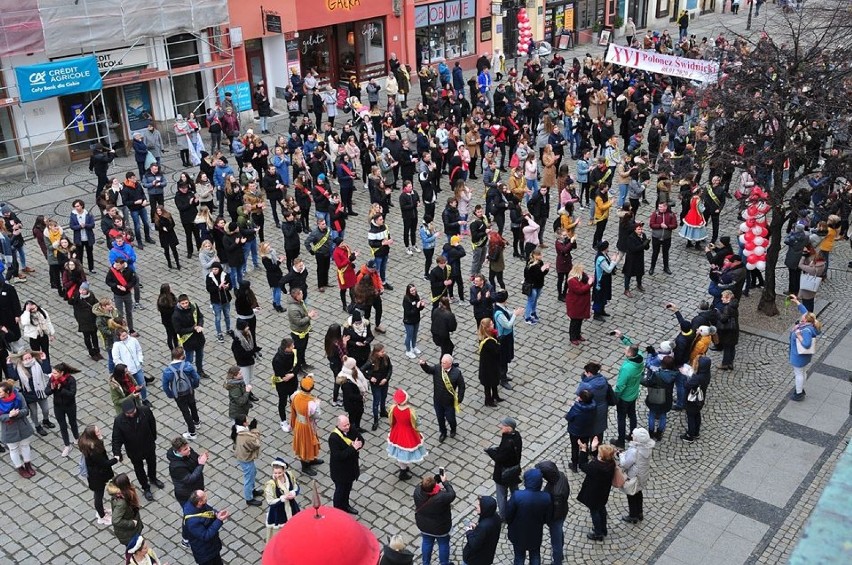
(841, 355)
(827, 407)
(715, 535)
(773, 467)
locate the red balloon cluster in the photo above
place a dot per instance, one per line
(525, 32)
(753, 231)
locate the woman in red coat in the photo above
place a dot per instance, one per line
(578, 301)
(344, 261)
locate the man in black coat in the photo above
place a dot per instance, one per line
(186, 468)
(482, 537)
(344, 446)
(10, 312)
(187, 205)
(507, 462)
(188, 322)
(136, 430)
(447, 393)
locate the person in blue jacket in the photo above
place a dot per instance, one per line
(801, 346)
(201, 525)
(581, 421)
(527, 513)
(603, 394)
(483, 536)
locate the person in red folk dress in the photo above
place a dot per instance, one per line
(405, 443)
(344, 261)
(578, 301)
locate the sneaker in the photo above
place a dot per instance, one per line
(197, 425)
(410, 355)
(185, 543)
(190, 437)
(426, 277)
(138, 306)
(338, 403)
(529, 321)
(105, 521)
(19, 279)
(285, 427)
(415, 249)
(220, 338)
(417, 351)
(408, 251)
(66, 451)
(797, 396)
(687, 438)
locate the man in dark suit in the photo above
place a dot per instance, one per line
(344, 445)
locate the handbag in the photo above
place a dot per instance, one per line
(695, 395)
(526, 288)
(631, 486)
(618, 478)
(802, 350)
(809, 282)
(511, 475)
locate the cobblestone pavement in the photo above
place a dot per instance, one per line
(50, 519)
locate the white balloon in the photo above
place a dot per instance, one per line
(747, 252)
(759, 250)
(742, 240)
(759, 240)
(745, 215)
(743, 227)
(750, 267)
(761, 265)
(757, 230)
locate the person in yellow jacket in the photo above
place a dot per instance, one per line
(602, 206)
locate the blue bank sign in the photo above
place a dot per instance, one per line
(58, 78)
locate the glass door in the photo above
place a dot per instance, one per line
(81, 124)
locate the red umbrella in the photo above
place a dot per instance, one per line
(333, 537)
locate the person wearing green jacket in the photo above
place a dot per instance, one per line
(627, 388)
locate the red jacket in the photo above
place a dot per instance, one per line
(578, 300)
(343, 257)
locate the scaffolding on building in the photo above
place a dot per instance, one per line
(173, 49)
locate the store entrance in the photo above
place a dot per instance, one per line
(87, 126)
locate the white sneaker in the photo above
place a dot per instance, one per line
(408, 251)
(285, 427)
(105, 521)
(410, 355)
(190, 437)
(415, 248)
(66, 451)
(417, 351)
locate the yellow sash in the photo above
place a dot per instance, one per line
(449, 386)
(276, 379)
(343, 437)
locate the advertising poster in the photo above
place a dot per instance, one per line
(137, 102)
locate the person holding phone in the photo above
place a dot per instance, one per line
(433, 514)
(802, 337)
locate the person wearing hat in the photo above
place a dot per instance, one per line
(140, 552)
(405, 442)
(304, 412)
(507, 462)
(660, 380)
(354, 387)
(135, 429)
(527, 512)
(280, 493)
(344, 446)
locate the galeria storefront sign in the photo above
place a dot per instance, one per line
(334, 5)
(693, 69)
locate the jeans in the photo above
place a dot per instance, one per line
(622, 194)
(557, 540)
(532, 302)
(124, 305)
(236, 275)
(411, 336)
(428, 542)
(680, 387)
(625, 409)
(599, 520)
(137, 216)
(656, 421)
(249, 473)
(801, 375)
(139, 377)
(45, 411)
(445, 414)
(220, 310)
(196, 357)
(501, 493)
(250, 247)
(323, 216)
(381, 265)
(521, 555)
(262, 123)
(380, 397)
(276, 295)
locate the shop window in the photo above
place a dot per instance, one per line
(445, 30)
(663, 8)
(371, 34)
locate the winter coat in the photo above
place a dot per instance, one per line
(527, 512)
(700, 379)
(186, 472)
(795, 242)
(443, 323)
(603, 395)
(581, 418)
(86, 319)
(481, 545)
(29, 395)
(506, 455)
(636, 462)
(15, 428)
(123, 516)
(173, 370)
(66, 395)
(239, 401)
(578, 299)
(99, 469)
(433, 512)
(138, 434)
(201, 527)
(557, 487)
(343, 459)
(809, 333)
(629, 377)
(594, 493)
(440, 394)
(634, 263)
(728, 327)
(247, 445)
(564, 260)
(88, 226)
(660, 379)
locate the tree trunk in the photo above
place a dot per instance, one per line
(776, 227)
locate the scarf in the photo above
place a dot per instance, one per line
(59, 382)
(32, 378)
(358, 378)
(39, 320)
(8, 403)
(449, 386)
(246, 343)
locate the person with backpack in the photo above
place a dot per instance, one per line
(660, 382)
(559, 490)
(180, 379)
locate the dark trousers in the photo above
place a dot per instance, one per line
(283, 395)
(342, 489)
(494, 277)
(728, 353)
(427, 260)
(491, 392)
(623, 410)
(215, 561)
(714, 219)
(139, 468)
(576, 454)
(693, 423)
(191, 231)
(561, 285)
(575, 327)
(600, 228)
(634, 503)
(98, 498)
(67, 417)
(599, 520)
(323, 262)
(301, 344)
(445, 343)
(627, 279)
(795, 278)
(189, 410)
(91, 341)
(86, 247)
(445, 415)
(656, 245)
(409, 231)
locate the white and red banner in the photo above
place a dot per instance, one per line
(693, 69)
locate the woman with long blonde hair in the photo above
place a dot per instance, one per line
(802, 346)
(578, 301)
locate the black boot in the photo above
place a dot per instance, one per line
(375, 424)
(306, 469)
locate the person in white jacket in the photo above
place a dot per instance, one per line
(635, 461)
(37, 328)
(127, 351)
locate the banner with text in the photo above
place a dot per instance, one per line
(57, 78)
(693, 69)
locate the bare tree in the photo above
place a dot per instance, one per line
(780, 99)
